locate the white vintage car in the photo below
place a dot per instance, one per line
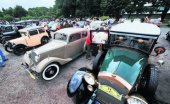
(67, 44)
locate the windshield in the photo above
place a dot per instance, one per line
(124, 62)
(60, 36)
(23, 33)
(143, 43)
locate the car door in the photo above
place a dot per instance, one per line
(72, 49)
(33, 38)
(84, 35)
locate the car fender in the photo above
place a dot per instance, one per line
(48, 60)
(74, 83)
(20, 40)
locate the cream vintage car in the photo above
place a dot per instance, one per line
(30, 37)
(67, 44)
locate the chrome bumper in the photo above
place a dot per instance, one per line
(29, 70)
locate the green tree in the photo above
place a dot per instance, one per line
(7, 17)
(19, 12)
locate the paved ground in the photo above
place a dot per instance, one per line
(16, 87)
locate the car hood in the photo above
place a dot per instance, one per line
(125, 62)
(52, 45)
(17, 40)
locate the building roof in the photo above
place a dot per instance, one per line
(137, 28)
(71, 30)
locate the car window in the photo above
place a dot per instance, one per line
(75, 37)
(41, 31)
(8, 28)
(33, 32)
(23, 33)
(84, 34)
(60, 36)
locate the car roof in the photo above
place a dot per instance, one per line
(31, 28)
(137, 28)
(71, 30)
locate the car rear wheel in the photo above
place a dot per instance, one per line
(19, 50)
(50, 72)
(44, 40)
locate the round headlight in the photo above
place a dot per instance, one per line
(90, 88)
(89, 78)
(136, 100)
(34, 57)
(37, 58)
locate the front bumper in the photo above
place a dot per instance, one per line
(28, 69)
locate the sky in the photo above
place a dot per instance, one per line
(26, 3)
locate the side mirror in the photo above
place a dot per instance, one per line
(159, 50)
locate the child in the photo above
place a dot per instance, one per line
(2, 59)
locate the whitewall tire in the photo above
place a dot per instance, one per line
(50, 72)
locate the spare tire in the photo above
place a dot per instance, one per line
(19, 49)
(152, 80)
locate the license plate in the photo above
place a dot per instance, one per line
(109, 90)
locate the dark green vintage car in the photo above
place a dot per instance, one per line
(121, 73)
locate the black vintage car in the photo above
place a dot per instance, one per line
(8, 32)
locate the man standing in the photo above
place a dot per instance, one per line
(87, 45)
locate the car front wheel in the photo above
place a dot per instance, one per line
(152, 80)
(19, 50)
(50, 72)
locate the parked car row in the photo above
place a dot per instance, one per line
(121, 72)
(8, 32)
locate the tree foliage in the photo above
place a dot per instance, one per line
(86, 8)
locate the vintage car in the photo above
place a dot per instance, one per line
(55, 26)
(67, 44)
(121, 72)
(31, 37)
(9, 32)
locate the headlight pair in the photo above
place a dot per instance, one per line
(90, 80)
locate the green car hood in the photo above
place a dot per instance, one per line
(124, 62)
